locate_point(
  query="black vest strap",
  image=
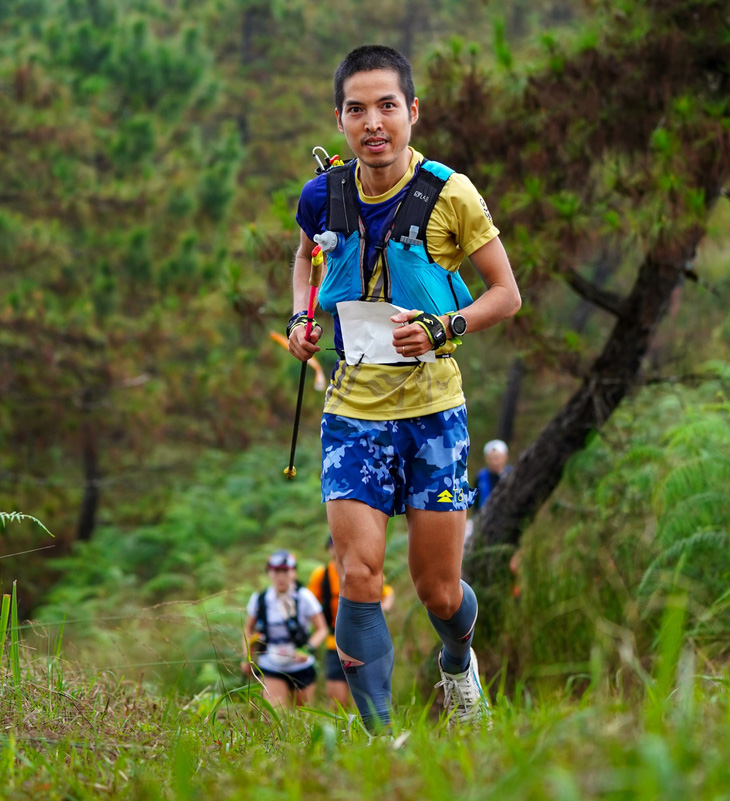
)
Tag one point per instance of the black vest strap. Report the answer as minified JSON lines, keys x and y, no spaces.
{"x":411,"y":219}
{"x":262,"y":623}
{"x":343,"y":210}
{"x":409,"y":226}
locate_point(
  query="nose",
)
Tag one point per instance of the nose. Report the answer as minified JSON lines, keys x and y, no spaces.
{"x":372,"y":120}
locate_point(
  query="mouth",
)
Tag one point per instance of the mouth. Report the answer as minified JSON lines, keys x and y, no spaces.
{"x":375,"y":143}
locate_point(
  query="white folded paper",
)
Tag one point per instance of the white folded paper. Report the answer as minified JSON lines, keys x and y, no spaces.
{"x":367,"y":334}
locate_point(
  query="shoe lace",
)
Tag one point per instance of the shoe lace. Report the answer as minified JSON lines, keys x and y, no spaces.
{"x":461,"y":695}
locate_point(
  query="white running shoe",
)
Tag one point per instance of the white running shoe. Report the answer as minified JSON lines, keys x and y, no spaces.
{"x":464,"y":699}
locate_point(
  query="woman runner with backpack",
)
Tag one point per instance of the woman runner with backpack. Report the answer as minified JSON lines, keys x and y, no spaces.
{"x":286,"y":623}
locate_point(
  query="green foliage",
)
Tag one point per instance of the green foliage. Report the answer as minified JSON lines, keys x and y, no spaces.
{"x":217,"y":186}
{"x":502,"y":50}
{"x":563,"y":178}
{"x":213,"y":541}
{"x":106,"y":150}
{"x":134,"y":144}
{"x":640,"y":519}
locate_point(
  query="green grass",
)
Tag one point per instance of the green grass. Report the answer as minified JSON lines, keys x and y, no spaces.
{"x":71,"y":733}
{"x":82,"y":735}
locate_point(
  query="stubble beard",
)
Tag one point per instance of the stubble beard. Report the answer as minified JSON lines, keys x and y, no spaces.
{"x":378,"y":165}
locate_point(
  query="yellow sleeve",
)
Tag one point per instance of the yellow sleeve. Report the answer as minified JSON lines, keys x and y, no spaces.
{"x":460,"y":223}
{"x":387,"y":590}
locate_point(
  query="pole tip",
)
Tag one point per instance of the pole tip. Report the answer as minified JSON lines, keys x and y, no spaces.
{"x":290,"y":472}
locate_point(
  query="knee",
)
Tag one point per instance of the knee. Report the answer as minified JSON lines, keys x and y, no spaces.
{"x":360,"y":581}
{"x":440,"y":599}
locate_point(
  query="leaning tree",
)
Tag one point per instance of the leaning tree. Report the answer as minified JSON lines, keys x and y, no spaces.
{"x":616,"y":147}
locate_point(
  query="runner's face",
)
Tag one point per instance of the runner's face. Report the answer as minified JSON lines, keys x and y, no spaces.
{"x":376,"y":119}
{"x":496,"y":461}
{"x":281,"y":580}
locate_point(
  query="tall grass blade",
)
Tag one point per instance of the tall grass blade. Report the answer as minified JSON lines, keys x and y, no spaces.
{"x":15,"y":646}
{"x":669,"y":646}
{"x":4,"y":617}
{"x":183,"y":770}
{"x":59,"y":638}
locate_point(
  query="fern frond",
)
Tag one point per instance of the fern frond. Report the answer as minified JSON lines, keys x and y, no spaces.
{"x":703,"y":511}
{"x":717,"y":541}
{"x":15,"y":517}
{"x":707,"y":473}
{"x":710,"y":431}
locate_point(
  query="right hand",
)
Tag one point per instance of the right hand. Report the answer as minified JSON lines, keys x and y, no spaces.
{"x":301,"y":347}
{"x":246,"y":668}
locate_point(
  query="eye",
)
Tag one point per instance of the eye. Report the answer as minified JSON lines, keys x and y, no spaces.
{"x":388,"y":105}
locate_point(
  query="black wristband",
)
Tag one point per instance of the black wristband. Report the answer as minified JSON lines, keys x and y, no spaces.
{"x":433,"y":327}
{"x":300,"y":318}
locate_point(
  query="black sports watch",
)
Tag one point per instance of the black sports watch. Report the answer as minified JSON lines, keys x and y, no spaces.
{"x":457,"y":325}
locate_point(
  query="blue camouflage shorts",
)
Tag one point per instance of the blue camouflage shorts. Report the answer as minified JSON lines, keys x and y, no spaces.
{"x":390,"y":464}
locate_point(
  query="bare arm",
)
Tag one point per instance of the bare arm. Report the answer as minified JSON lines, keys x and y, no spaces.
{"x":499,"y":302}
{"x":299,"y":346}
{"x":319,"y":635}
{"x":316,"y":638}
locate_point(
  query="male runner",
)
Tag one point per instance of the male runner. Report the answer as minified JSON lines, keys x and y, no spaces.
{"x":394,"y":432}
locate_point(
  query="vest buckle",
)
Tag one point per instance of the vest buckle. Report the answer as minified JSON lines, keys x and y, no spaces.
{"x":412,"y":238}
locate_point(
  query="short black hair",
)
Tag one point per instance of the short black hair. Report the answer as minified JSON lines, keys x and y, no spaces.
{"x":374,"y":57}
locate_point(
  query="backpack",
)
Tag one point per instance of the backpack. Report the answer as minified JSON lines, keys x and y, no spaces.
{"x":299,"y":635}
{"x":437,"y":290}
{"x":327,"y":598}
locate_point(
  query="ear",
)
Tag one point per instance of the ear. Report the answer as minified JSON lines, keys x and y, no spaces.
{"x":339,"y":122}
{"x":414,"y":111}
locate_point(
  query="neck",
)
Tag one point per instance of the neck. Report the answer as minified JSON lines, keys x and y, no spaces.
{"x":378,"y":180}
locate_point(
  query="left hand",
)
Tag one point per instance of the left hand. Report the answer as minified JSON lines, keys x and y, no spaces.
{"x":409,"y":339}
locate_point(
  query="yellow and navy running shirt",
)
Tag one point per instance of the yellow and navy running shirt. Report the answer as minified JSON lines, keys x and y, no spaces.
{"x":459,"y":225}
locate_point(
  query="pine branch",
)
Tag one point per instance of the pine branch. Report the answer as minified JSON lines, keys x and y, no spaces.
{"x":608,"y":301}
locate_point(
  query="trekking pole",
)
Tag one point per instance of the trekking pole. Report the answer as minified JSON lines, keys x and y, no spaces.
{"x":315,"y":276}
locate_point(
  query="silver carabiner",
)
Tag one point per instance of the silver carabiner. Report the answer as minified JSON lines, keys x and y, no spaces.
{"x":321,"y":167}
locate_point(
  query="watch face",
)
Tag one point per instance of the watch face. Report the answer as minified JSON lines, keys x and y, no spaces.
{"x":458,"y":324}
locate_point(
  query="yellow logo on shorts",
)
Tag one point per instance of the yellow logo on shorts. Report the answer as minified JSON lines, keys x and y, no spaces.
{"x":446,"y":497}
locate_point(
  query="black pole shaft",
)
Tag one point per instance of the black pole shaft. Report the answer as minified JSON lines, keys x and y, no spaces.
{"x":302,"y":377}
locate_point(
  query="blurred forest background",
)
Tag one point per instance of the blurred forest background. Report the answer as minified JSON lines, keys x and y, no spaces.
{"x":151,"y":156}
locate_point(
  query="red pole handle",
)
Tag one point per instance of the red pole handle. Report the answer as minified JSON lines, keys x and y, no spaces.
{"x":315,"y":277}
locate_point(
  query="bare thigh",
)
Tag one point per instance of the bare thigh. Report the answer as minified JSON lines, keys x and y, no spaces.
{"x":435,"y":550}
{"x":358,"y":532}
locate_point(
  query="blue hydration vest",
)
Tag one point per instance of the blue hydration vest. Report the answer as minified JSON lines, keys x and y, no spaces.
{"x":411,"y":278}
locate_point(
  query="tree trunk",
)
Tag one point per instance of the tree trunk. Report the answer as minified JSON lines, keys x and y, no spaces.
{"x":518,"y":497}
{"x":414,"y":20}
{"x":508,"y":408}
{"x":90,"y":455}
